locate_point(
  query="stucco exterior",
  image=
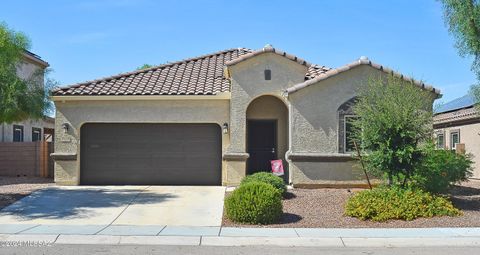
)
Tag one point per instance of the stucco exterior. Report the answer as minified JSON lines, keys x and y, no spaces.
{"x":469,"y":135}
{"x":308,"y":123}
{"x":77,"y":113}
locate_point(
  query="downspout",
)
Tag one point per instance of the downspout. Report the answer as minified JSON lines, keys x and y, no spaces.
{"x":289,"y":151}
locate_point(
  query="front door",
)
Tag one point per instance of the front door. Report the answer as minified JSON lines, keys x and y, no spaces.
{"x":262,"y":145}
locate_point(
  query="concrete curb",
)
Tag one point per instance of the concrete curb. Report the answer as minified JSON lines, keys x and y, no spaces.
{"x":337,"y":242}
{"x":227,"y":236}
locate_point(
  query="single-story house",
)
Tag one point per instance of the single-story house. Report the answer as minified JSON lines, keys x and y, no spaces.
{"x":213,"y":119}
{"x":458,"y":122}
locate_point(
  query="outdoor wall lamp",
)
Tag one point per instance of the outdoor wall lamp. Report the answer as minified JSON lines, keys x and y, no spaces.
{"x":65,"y":127}
{"x":225,"y":128}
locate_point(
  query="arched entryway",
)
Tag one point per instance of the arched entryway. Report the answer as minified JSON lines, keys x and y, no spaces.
{"x":267,"y":133}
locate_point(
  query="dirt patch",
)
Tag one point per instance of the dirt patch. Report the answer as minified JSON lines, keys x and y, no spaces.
{"x":324,"y":208}
{"x":15,"y":188}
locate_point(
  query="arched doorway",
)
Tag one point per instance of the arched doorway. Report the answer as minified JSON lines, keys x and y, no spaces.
{"x":267,"y":134}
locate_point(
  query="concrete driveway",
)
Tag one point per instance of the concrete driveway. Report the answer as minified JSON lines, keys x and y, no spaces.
{"x":119,"y":205}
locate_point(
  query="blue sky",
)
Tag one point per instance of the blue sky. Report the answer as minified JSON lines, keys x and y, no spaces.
{"x":84,"y":40}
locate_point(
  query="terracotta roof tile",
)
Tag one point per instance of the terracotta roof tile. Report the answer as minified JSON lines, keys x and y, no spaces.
{"x":458,"y":115}
{"x":203,"y":75}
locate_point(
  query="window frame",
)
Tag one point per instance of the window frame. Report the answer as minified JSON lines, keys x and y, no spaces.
{"x":39,"y":130}
{"x":453,"y":145}
{"x":22,"y":133}
{"x":345,"y":150}
{"x":443,"y":140}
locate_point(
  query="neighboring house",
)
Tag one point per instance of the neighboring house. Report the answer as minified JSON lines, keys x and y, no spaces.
{"x":459,"y":122}
{"x":211,"y":120}
{"x":29,"y":130}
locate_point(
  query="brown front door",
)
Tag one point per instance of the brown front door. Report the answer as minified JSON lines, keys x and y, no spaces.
{"x":262,"y":145}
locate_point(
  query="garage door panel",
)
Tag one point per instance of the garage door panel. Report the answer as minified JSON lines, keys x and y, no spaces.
{"x":170,"y":154}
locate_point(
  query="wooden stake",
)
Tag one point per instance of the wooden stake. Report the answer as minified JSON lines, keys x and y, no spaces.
{"x":361,"y":162}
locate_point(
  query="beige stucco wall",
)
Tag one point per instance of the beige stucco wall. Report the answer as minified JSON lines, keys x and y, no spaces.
{"x":470,"y":136}
{"x":248,"y":83}
{"x":67,"y":172}
{"x":315,"y":125}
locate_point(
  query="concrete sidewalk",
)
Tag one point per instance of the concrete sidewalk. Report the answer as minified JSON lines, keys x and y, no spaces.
{"x":226,"y":236}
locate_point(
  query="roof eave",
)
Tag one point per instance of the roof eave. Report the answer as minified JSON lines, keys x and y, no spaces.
{"x":359,"y":62}
{"x":218,"y":96}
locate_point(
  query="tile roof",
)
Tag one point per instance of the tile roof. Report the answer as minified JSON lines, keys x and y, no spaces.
{"x":459,"y":115}
{"x":362,"y":61}
{"x":203,"y":75}
{"x":458,"y":103}
{"x":267,"y":49}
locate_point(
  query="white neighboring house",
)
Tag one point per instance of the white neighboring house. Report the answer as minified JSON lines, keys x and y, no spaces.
{"x":29,"y":130}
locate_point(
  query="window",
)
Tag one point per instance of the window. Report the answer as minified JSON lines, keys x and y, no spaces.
{"x":349,"y":133}
{"x":440,"y":141}
{"x":454,"y":139}
{"x":36,"y":134}
{"x":17,"y":133}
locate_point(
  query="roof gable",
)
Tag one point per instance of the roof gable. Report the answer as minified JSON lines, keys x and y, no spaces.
{"x":268,"y":49}
{"x":359,"y":62}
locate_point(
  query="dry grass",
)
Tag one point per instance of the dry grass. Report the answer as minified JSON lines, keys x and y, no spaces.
{"x":324,"y":208}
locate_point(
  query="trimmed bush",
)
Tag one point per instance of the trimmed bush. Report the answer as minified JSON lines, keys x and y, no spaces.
{"x":265,"y":177}
{"x":440,"y":169}
{"x":254,"y":203}
{"x":382,"y":204}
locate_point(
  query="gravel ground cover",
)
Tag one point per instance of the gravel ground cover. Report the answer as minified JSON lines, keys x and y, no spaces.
{"x":324,"y":208}
{"x":15,"y":188}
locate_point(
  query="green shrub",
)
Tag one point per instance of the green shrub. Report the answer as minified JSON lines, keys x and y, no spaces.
{"x":440,"y":169}
{"x":382,"y":204}
{"x":254,"y":203}
{"x":265,"y":177}
{"x":394,"y":119}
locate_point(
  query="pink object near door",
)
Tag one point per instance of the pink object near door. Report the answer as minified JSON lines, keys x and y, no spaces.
{"x":277,"y":167}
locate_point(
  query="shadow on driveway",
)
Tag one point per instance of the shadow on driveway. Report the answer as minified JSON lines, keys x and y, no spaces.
{"x":64,"y":203}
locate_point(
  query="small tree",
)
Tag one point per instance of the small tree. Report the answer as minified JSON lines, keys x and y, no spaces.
{"x":394,"y":118}
{"x":20,"y":99}
{"x":463,"y":21}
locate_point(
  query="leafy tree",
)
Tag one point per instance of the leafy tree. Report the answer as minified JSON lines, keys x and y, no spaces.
{"x":20,"y":99}
{"x":394,"y":119}
{"x":144,"y":66}
{"x":463,"y":20}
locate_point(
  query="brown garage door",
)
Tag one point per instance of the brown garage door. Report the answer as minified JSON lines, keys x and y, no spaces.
{"x":150,"y":154}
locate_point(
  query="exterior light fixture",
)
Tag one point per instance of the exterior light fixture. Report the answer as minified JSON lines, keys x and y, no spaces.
{"x":65,"y":127}
{"x":225,"y":128}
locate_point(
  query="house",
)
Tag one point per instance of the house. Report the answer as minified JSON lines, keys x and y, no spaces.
{"x":29,"y":130}
{"x":210,"y":120}
{"x":459,"y":122}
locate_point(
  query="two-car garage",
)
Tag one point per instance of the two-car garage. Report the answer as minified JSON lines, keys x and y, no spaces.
{"x":150,"y":154}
